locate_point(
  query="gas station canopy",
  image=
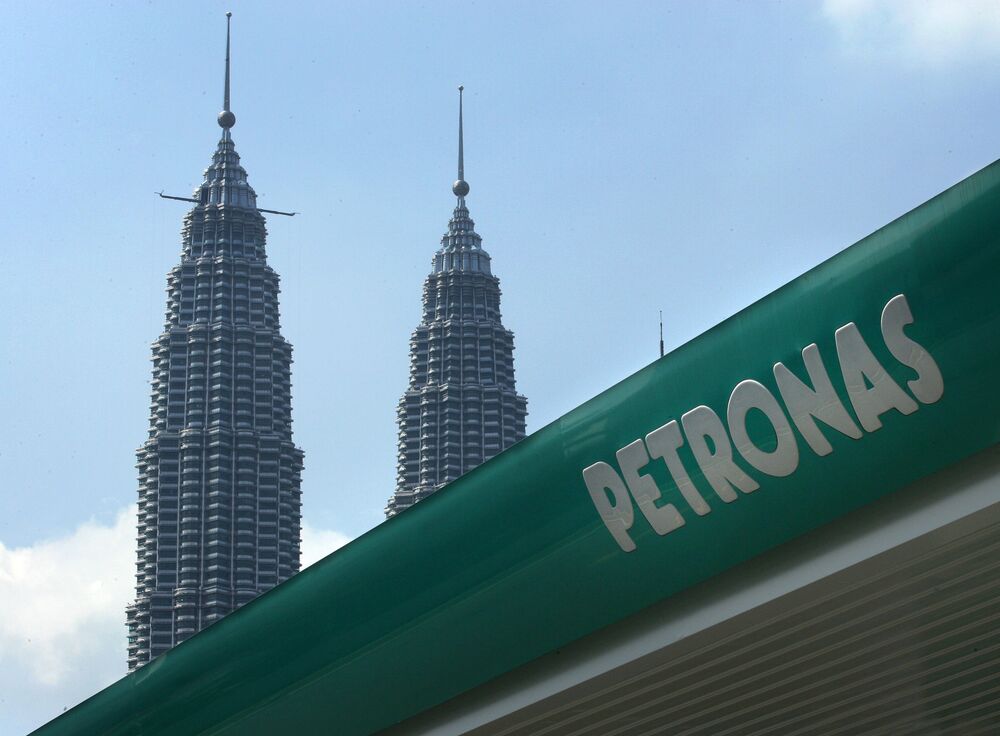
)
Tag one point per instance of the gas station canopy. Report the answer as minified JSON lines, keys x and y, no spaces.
{"x":790,"y":524}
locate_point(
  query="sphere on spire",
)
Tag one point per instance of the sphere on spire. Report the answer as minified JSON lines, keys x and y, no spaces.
{"x":227,"y":119}
{"x":460,"y":187}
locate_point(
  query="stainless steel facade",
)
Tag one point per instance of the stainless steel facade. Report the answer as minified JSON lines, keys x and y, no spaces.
{"x":219,"y":476}
{"x":461,"y":407}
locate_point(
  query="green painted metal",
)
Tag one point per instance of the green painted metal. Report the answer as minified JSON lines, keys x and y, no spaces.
{"x":512,"y":561}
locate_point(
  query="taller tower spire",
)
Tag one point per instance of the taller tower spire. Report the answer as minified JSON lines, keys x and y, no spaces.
{"x":219,"y":476}
{"x":461,"y":186}
{"x":226,"y":118}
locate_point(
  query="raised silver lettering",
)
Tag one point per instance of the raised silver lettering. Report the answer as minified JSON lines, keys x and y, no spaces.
{"x":718,"y":467}
{"x":857,"y":362}
{"x":664,"y":442}
{"x":928,"y":386}
{"x":617,"y":517}
{"x":632,"y":458}
{"x":819,"y":402}
{"x":781,"y":461}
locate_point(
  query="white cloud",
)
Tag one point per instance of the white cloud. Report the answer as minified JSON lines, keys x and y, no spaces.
{"x":54,"y":593}
{"x":924,"y":32}
{"x":62,"y":619}
{"x":62,"y":616}
{"x":318,"y":543}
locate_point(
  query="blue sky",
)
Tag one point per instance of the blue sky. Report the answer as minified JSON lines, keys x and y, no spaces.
{"x":689,"y":157}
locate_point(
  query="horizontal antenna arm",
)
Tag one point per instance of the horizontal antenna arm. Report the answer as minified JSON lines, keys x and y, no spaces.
{"x":191,"y":199}
{"x":179,"y":199}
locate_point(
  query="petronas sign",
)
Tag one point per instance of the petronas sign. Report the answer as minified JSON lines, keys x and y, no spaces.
{"x":872,"y":370}
{"x":775,"y":453}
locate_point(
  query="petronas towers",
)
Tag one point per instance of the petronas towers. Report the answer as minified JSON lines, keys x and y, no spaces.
{"x":219,"y":497}
{"x":461,"y":407}
{"x":219,"y":511}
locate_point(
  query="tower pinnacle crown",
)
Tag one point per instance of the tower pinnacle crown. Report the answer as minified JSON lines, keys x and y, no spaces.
{"x":226,"y":118}
{"x":461,"y":186}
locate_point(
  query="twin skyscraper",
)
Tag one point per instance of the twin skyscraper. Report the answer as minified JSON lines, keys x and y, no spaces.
{"x":219,"y":509}
{"x":461,"y":407}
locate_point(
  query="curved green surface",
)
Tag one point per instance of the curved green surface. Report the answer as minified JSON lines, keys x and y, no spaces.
{"x":512,"y":561}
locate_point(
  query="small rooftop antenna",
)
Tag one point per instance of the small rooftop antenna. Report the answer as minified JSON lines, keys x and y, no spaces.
{"x":661,"y":333}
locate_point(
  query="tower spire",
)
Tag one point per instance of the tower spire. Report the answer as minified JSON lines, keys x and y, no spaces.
{"x":226,"y":118}
{"x":461,"y":186}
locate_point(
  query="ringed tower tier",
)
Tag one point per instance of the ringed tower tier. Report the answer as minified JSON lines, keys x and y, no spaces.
{"x":461,"y":406}
{"x":219,"y":476}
